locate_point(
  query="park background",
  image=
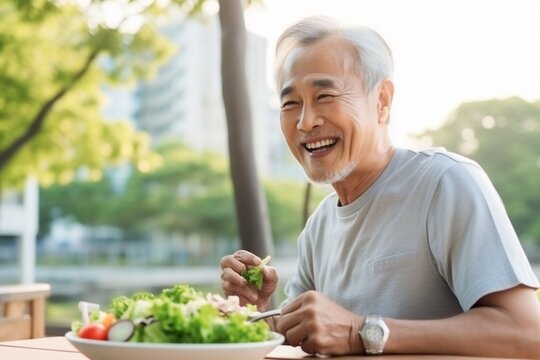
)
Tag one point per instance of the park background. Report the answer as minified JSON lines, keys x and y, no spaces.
{"x":130,"y":170}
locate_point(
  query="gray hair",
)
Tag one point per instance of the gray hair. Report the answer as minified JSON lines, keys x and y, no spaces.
{"x":374,"y":57}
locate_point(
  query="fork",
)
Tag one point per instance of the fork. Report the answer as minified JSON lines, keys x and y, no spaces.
{"x":264,"y":315}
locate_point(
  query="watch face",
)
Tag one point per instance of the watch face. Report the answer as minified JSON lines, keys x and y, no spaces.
{"x":374,"y":333}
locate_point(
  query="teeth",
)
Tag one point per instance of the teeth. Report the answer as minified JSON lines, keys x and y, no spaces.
{"x":319,"y":144}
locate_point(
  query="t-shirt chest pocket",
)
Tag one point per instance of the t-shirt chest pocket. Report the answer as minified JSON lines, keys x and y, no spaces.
{"x":391,"y":263}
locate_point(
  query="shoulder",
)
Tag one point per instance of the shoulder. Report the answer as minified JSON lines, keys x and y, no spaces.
{"x":438,"y":163}
{"x":437,"y":157}
{"x":459,"y":182}
{"x":436,"y":173}
{"x":460,"y":171}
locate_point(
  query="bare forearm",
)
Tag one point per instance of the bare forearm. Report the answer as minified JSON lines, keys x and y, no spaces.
{"x":482,"y":331}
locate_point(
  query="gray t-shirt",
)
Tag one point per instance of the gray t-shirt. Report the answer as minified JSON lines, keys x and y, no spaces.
{"x":427,"y":240}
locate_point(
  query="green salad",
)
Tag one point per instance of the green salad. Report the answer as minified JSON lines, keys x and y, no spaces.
{"x":179,"y":314}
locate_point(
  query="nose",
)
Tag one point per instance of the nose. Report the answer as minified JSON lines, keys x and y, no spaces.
{"x":309,"y":119}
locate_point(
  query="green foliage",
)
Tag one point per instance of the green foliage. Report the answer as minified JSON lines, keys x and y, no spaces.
{"x":189,"y":193}
{"x":55,"y":56}
{"x":84,"y":202}
{"x":34,"y":10}
{"x":503,"y":137}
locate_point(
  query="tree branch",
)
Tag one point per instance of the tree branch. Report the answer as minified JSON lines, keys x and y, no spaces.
{"x":37,"y":123}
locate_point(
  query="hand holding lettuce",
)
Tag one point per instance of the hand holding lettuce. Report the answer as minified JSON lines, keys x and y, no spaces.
{"x":254,"y":275}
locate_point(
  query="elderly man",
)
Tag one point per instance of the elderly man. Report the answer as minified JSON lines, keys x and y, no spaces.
{"x":414,"y":252}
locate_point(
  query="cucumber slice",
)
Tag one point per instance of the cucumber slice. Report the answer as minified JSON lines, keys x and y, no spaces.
{"x":122,"y":330}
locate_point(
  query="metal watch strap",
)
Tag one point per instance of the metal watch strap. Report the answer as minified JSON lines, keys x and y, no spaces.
{"x":373,"y":347}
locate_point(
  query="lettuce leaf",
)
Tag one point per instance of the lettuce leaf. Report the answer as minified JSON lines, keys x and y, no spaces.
{"x":254,"y":275}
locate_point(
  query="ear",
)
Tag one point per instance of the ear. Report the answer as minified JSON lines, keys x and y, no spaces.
{"x":386,"y":95}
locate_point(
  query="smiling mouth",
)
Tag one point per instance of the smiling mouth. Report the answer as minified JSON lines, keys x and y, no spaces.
{"x":321,"y":145}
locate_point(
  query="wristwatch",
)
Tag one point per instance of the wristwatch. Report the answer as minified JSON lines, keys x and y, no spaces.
{"x":374,"y":333}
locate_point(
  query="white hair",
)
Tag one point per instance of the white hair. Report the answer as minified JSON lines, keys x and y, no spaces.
{"x":374,"y":57}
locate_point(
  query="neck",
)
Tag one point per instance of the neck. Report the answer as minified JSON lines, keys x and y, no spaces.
{"x":363,"y":177}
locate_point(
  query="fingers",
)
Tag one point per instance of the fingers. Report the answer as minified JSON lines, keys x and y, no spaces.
{"x":270,"y":281}
{"x":294,"y":305}
{"x":319,"y":325}
{"x":233,"y":283}
{"x":232,"y":278}
{"x":270,"y":274}
{"x":299,"y":331}
{"x":291,"y":316}
{"x":290,"y":325}
{"x":237,"y":261}
{"x":247,"y":258}
{"x":291,"y":321}
{"x":232,"y":266}
{"x":301,"y":324}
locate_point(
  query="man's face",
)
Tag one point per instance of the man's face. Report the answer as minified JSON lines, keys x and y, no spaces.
{"x":330,"y":124}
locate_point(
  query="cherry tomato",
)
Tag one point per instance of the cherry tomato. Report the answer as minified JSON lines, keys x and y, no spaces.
{"x":95,"y":331}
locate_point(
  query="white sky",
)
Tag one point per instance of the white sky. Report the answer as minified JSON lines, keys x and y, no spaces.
{"x":445,"y":51}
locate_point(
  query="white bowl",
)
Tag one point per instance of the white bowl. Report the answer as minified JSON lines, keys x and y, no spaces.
{"x":114,"y":350}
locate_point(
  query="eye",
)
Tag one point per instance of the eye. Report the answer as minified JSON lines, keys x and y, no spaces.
{"x":325,"y":96}
{"x":289,"y":104}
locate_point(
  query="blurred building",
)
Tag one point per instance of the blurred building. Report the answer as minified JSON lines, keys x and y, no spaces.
{"x":184,"y":100}
{"x":18,"y":229}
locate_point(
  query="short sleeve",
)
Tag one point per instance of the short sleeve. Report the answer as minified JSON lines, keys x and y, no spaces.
{"x":472,"y":240}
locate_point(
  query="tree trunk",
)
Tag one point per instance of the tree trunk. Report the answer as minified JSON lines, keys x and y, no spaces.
{"x":251,"y":209}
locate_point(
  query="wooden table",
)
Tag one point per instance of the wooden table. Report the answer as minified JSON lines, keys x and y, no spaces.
{"x":59,"y":348}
